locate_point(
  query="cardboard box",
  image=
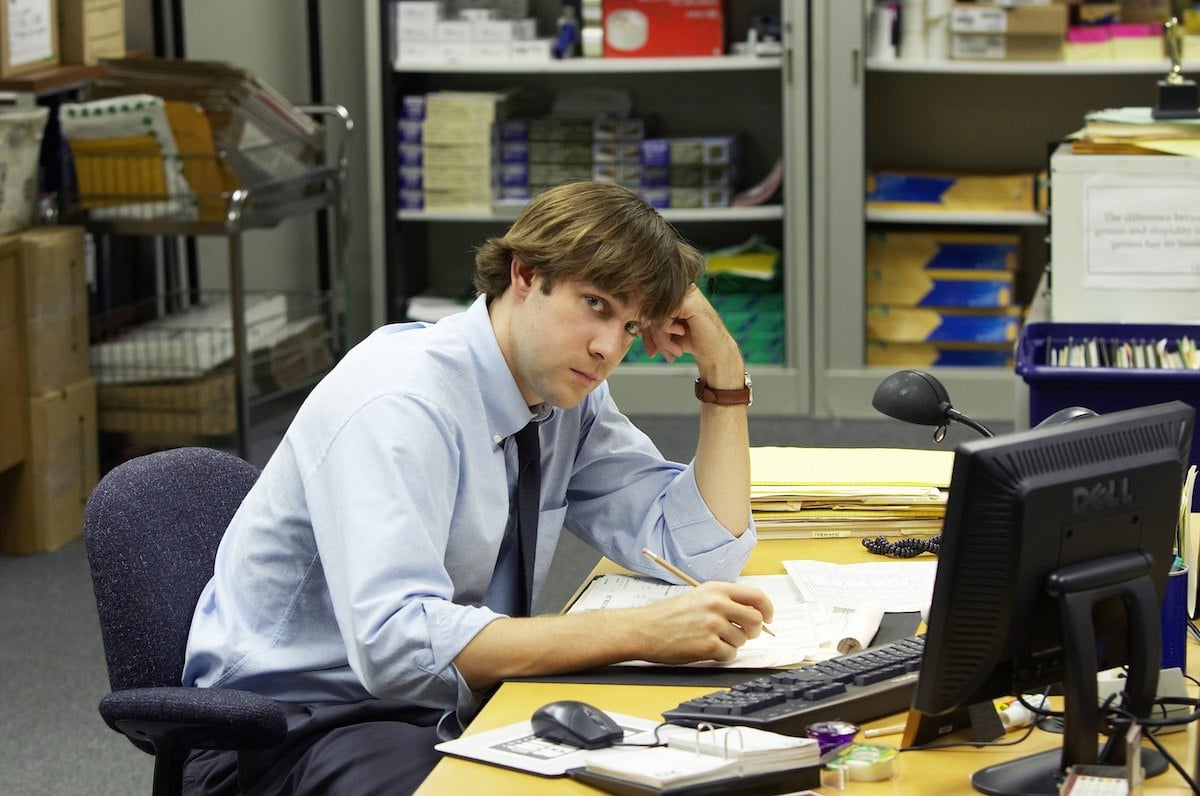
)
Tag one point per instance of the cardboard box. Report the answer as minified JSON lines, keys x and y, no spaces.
{"x":653,"y":28}
{"x":1023,"y":20}
{"x":922,"y":190}
{"x":55,"y":322}
{"x":938,"y":251}
{"x":999,"y":47}
{"x":898,"y":286}
{"x":13,"y":400}
{"x":202,"y":406}
{"x":89,"y":30}
{"x":891,"y":324}
{"x":992,"y":32}
{"x":28,"y":37}
{"x":927,"y":355}
{"x":42,"y":499}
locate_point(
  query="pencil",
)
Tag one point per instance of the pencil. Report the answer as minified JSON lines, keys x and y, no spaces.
{"x":686,"y":578}
{"x":878,"y":731}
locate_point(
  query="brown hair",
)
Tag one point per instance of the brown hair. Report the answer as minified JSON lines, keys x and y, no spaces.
{"x":600,"y":233}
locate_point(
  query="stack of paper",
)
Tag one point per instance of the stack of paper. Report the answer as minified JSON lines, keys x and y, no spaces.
{"x":1135,"y":131}
{"x":802,"y":493}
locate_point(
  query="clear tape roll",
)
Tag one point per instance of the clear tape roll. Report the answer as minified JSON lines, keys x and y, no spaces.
{"x":865,"y":762}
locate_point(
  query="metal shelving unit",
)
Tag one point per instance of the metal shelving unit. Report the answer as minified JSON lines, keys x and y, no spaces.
{"x":763,"y":98}
{"x":132,"y":209}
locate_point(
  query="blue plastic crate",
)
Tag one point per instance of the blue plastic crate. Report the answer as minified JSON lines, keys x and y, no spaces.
{"x":1104,"y":389}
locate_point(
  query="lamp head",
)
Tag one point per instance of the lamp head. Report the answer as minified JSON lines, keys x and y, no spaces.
{"x":915,"y":396}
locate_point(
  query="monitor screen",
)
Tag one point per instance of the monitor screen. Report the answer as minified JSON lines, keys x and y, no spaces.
{"x":1024,"y":506}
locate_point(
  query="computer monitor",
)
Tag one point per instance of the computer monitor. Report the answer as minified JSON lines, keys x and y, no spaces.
{"x":1077,"y":521}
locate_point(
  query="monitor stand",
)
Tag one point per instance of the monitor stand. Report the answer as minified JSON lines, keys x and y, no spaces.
{"x":1076,"y":590}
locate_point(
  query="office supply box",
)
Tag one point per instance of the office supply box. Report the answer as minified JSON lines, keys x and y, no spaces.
{"x":90,"y":30}
{"x":988,"y":31}
{"x":641,"y":28}
{"x":1105,"y":387}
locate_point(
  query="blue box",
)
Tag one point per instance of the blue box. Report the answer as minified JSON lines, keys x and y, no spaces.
{"x":1104,"y":389}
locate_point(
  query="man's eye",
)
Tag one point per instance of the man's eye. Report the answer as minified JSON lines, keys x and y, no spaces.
{"x":594,"y":303}
{"x":633,"y":328}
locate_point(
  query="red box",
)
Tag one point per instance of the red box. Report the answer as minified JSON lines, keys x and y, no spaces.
{"x":655,"y":28}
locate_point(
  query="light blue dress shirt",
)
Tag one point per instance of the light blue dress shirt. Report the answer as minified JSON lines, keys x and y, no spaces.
{"x":365,"y":558}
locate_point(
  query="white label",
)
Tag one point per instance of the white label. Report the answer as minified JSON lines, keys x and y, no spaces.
{"x":978,"y":20}
{"x":1141,"y":231}
{"x":30,"y":35}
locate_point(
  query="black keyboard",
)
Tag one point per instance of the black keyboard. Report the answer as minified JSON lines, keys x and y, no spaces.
{"x":857,"y":688}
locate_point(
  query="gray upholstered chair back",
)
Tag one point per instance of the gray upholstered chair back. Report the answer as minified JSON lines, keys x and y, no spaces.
{"x":152,"y":527}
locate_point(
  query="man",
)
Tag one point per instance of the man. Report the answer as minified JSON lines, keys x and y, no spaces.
{"x":374,"y":581}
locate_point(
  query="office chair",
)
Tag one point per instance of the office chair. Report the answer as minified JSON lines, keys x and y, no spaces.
{"x":151,"y":528}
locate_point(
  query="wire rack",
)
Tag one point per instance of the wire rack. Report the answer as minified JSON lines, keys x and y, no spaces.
{"x":164,"y":365}
{"x":137,"y":187}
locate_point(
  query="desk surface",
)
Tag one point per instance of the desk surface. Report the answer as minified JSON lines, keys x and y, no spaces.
{"x":945,"y":771}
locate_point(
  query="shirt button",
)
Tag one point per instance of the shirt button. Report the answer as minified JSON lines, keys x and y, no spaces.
{"x":496,"y":438}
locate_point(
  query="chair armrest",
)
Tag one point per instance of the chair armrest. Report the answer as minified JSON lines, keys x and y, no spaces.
{"x":172,"y":719}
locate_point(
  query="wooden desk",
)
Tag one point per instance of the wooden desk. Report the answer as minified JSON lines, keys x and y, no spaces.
{"x":944,"y":771}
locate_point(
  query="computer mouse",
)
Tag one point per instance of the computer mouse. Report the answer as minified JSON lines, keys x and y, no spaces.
{"x":576,"y":724}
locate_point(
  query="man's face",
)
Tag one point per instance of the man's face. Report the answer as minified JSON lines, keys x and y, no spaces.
{"x":567,"y":342}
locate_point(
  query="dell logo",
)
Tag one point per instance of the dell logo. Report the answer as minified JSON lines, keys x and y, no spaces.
{"x":1101,"y":496}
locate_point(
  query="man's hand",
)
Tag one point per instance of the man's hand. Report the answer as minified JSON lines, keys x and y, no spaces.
{"x":709,"y":622}
{"x":695,"y":328}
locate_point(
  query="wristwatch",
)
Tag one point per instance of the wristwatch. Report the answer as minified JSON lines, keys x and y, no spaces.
{"x":711,"y":395}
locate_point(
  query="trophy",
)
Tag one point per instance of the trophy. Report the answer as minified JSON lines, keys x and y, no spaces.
{"x":1177,"y":98}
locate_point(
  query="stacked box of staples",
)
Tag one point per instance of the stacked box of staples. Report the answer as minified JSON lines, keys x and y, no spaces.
{"x":941,"y":298}
{"x":514,"y":160}
{"x":454,"y":33}
{"x":459,"y":151}
{"x":560,"y":150}
{"x":690,"y":172}
{"x":409,"y":128}
{"x":617,"y":150}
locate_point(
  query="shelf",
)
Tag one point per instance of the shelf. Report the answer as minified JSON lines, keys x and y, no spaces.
{"x":1032,"y":68}
{"x":762,"y":99}
{"x":674,"y":215}
{"x":729,"y":63}
{"x":957,"y":217}
{"x":650,"y":389}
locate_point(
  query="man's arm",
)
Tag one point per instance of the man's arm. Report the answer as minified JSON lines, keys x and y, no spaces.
{"x":706,"y":623}
{"x":723,"y":449}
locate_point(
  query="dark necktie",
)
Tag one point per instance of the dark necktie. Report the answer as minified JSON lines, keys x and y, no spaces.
{"x":529,"y":487}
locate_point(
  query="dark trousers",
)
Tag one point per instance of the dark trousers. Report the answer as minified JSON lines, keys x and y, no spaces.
{"x":357,"y":749}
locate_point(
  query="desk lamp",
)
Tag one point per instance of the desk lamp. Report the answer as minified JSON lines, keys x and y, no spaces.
{"x":915,"y":396}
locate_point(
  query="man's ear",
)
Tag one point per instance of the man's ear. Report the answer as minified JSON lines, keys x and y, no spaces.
{"x":521,"y":277}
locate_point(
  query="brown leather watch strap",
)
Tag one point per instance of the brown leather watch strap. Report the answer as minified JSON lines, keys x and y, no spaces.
{"x":711,"y":395}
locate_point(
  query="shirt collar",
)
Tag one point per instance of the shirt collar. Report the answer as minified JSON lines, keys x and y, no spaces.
{"x":505,"y":407}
